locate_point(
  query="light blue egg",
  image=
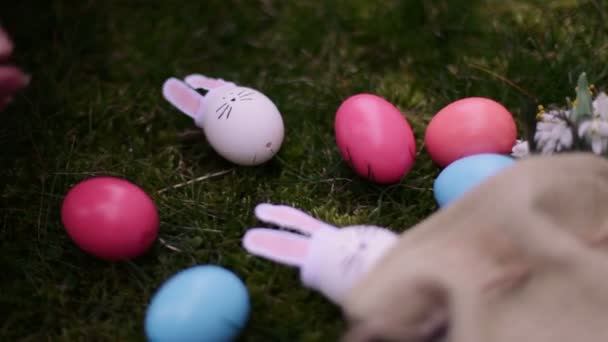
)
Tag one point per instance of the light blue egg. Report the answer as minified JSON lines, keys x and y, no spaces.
{"x":466,"y":173}
{"x":201,"y":303}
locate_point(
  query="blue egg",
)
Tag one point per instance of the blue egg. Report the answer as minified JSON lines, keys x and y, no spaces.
{"x":464,"y":174}
{"x":201,"y":303}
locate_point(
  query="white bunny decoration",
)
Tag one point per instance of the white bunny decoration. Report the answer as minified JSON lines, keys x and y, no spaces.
{"x":241,"y":124}
{"x":331,"y":259}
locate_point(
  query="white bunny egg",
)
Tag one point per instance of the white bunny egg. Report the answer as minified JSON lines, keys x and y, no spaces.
{"x":240,"y":123}
{"x":331,"y":260}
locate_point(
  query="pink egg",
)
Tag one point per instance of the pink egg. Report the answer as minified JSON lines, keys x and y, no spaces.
{"x":470,"y":126}
{"x":375,"y":138}
{"x":110,"y":218}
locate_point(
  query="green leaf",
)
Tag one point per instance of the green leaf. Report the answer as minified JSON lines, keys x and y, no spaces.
{"x":583,"y":107}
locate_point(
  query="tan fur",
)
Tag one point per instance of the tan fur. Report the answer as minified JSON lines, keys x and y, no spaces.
{"x":523,"y":257}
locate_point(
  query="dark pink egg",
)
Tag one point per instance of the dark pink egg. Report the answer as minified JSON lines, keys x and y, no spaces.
{"x":375,"y":138}
{"x":469,"y":126}
{"x":110,"y":218}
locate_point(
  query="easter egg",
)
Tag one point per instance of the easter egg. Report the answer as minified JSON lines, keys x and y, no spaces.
{"x":375,"y":138}
{"x":246,"y":127}
{"x":464,"y":174}
{"x":470,"y":126}
{"x":200,"y":303}
{"x":110,"y":218}
{"x":240,"y":123}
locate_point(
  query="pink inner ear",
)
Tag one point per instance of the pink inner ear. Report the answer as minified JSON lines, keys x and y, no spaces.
{"x":279,"y":246}
{"x":211,"y":83}
{"x":298,"y":220}
{"x":290,"y":217}
{"x":287,"y":248}
{"x":202,"y":82}
{"x":181,"y":96}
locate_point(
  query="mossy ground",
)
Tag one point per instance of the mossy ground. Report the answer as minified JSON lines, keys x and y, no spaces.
{"x":94,"y":107}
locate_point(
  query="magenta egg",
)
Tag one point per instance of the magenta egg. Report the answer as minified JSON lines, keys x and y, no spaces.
{"x":110,"y":218}
{"x":374,"y":137}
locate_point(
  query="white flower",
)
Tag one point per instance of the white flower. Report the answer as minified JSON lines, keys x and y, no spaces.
{"x":553,"y":136}
{"x":554,"y":116}
{"x":595,"y":131}
{"x":520,"y":149}
{"x":600,"y":106}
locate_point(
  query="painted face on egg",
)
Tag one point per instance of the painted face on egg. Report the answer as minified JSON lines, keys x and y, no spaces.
{"x":230,"y":99}
{"x":242,"y":124}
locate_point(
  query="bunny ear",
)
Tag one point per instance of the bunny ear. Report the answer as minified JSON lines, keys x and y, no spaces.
{"x":289,"y":217}
{"x":181,"y":96}
{"x":198,"y":81}
{"x":279,"y":246}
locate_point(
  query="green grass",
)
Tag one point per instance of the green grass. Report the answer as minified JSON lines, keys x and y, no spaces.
{"x":94,"y":107}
